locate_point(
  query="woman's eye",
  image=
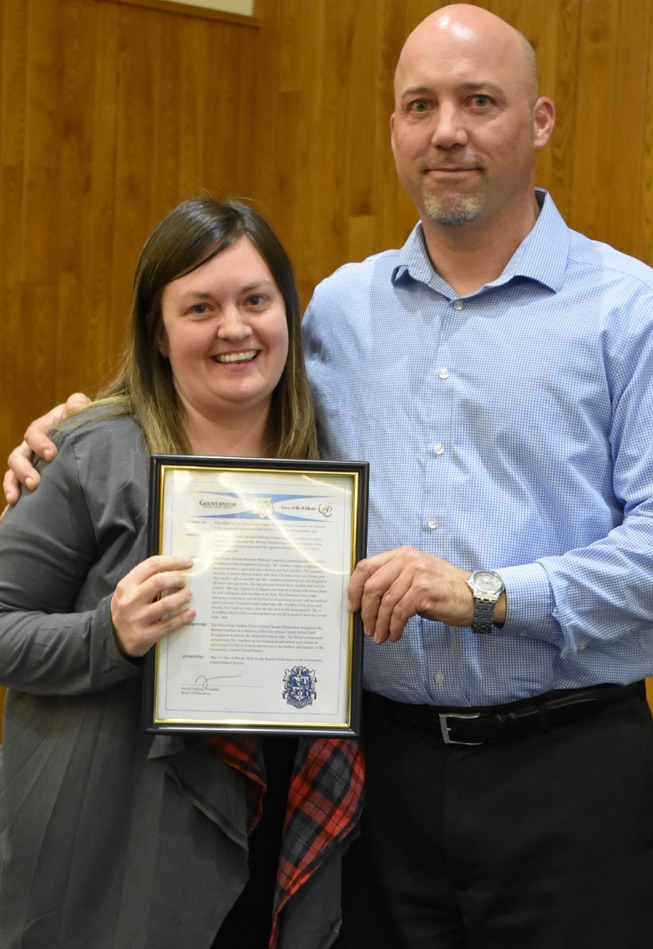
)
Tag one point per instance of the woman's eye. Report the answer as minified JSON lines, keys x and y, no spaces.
{"x":256,"y":299}
{"x":199,"y":308}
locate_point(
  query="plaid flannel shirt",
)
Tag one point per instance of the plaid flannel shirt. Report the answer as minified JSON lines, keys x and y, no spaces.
{"x":324,"y":804}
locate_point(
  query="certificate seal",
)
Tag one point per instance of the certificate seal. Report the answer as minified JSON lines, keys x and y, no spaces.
{"x":299,"y":686}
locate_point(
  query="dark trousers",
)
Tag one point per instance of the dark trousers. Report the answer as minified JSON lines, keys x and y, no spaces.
{"x":543,"y":842}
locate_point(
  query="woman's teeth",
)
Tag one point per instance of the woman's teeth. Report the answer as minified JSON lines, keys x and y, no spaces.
{"x":236,"y":357}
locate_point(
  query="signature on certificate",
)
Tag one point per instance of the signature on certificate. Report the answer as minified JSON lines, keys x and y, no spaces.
{"x":203,"y":681}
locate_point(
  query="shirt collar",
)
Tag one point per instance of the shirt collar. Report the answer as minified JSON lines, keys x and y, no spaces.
{"x":541,"y":256}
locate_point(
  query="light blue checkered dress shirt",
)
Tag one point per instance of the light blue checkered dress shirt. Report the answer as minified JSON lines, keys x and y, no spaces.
{"x":509,"y":429}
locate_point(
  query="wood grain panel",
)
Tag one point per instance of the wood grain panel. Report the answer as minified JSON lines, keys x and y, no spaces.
{"x":114,"y":110}
{"x":111,"y":114}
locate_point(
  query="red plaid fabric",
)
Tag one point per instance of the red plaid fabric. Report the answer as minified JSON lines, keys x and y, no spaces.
{"x":324,"y":804}
{"x":245,"y":755}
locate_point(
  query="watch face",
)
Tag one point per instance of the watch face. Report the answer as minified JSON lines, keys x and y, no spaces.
{"x":487,"y":582}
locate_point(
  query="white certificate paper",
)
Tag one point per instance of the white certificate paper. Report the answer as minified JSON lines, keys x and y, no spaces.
{"x":272,"y":646}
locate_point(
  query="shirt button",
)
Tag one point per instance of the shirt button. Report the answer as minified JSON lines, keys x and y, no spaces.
{"x":432,"y":524}
{"x":458,"y":304}
{"x":439,"y":677}
{"x":444,"y":373}
{"x":438,"y":449}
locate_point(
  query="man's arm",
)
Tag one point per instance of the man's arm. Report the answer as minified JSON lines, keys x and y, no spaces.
{"x":21,"y":470}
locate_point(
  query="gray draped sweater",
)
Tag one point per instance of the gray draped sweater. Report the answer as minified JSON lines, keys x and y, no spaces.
{"x":110,"y":838}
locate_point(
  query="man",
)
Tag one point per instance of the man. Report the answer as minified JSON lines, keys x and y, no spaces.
{"x":496,"y":373}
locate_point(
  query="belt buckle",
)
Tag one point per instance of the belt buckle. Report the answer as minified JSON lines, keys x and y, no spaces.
{"x":445,"y":729}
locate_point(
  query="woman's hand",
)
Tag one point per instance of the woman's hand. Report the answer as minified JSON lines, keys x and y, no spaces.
{"x":21,"y":470}
{"x":151,"y":602}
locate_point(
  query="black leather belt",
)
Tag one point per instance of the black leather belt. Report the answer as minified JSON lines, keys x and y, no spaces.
{"x":494,"y":723}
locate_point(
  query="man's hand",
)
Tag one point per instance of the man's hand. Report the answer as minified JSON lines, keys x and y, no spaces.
{"x":151,"y":602}
{"x":21,"y":470}
{"x":391,"y":587}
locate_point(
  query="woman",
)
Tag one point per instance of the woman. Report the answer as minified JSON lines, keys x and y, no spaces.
{"x":111,"y":837}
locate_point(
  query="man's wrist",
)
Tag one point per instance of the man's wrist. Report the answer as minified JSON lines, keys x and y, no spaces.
{"x":501,"y":610}
{"x":488,"y":593}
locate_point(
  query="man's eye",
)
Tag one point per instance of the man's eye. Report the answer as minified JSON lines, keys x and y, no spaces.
{"x":420,"y":105}
{"x":482,"y":101}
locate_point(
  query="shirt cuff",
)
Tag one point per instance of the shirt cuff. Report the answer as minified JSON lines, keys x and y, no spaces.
{"x":530,"y":604}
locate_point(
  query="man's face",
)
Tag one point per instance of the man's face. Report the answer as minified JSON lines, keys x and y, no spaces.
{"x":466,"y":123}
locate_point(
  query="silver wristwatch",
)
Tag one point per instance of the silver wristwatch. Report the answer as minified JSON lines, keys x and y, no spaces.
{"x":487,"y":587}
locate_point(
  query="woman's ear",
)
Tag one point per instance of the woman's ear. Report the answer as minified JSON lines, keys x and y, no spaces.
{"x":162,"y":343}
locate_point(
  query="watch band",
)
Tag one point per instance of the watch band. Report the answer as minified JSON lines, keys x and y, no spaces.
{"x":483,"y":615}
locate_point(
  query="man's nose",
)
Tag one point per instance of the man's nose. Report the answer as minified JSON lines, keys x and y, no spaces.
{"x":450,"y":128}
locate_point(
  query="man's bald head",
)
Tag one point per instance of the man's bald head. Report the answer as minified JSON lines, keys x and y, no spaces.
{"x":468,"y":23}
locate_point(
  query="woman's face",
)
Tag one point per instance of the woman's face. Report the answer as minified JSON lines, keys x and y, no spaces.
{"x":225,"y":335}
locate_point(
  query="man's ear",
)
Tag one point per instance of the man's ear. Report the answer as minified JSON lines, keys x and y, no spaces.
{"x":392,"y":132}
{"x":544,"y":117}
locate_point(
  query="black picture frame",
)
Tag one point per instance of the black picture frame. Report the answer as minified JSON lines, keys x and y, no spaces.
{"x":168,"y":505}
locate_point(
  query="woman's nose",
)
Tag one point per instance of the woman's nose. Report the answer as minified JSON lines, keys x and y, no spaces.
{"x":232,"y":325}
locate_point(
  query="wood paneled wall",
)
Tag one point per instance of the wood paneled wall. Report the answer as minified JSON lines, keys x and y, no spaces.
{"x":111,"y":111}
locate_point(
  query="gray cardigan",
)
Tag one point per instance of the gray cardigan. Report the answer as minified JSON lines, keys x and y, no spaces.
{"x":109,"y":837}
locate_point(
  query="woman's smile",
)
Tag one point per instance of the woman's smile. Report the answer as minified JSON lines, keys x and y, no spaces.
{"x":236,"y":357}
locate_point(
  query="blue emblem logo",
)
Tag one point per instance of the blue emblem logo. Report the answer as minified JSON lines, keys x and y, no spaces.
{"x":299,"y":686}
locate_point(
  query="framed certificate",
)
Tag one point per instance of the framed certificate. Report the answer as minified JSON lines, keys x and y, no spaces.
{"x":272,"y":647}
